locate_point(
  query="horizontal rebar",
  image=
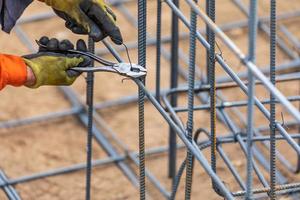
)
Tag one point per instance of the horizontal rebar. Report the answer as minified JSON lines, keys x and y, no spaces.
{"x":230,"y":104}
{"x":266,"y":190}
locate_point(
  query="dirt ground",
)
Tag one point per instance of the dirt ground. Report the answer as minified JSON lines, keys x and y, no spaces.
{"x":61,"y":142}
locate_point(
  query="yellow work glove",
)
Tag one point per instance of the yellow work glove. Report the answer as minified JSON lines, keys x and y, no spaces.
{"x":88,"y":17}
{"x":51,"y":68}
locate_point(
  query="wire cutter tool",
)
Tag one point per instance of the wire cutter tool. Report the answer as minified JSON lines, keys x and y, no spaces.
{"x":129,"y":70}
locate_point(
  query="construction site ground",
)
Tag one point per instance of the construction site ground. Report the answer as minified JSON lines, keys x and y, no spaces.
{"x":56,"y":143}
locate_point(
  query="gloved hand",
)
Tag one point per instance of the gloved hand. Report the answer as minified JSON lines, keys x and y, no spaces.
{"x":51,"y":66}
{"x":88,"y":17}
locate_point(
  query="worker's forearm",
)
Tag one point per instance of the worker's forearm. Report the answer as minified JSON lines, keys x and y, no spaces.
{"x":13,"y":71}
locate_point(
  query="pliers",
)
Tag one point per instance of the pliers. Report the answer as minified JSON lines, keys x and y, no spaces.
{"x":129,"y":70}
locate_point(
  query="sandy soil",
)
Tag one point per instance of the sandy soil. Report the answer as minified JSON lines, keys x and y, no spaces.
{"x":61,"y":142}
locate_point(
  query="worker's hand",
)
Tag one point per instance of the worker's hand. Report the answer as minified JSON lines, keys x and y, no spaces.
{"x":91,"y":17}
{"x":53,"y":68}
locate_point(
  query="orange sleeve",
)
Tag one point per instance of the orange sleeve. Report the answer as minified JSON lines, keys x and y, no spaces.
{"x":13,"y":71}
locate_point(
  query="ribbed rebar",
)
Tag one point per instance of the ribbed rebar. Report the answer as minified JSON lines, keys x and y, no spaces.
{"x":90,"y":103}
{"x":212,"y":83}
{"x":292,"y":187}
{"x":141,"y":107}
{"x":207,"y":38}
{"x":273,"y":101}
{"x":142,"y":34}
{"x":251,"y":88}
{"x":191,"y":85}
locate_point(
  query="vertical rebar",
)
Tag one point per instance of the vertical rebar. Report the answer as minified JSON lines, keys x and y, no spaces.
{"x":251,"y":90}
{"x":142,"y":39}
{"x":212,"y":83}
{"x":273,"y":100}
{"x":90,"y":104}
{"x":207,"y":39}
{"x":173,"y":84}
{"x":158,"y":50}
{"x":191,"y":85}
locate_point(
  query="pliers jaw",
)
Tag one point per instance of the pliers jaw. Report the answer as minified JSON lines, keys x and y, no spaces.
{"x":130,"y":70}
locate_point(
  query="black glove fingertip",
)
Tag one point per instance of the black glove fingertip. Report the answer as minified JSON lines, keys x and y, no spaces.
{"x":44,"y":40}
{"x":66,"y":45}
{"x":81,"y":45}
{"x":117,"y":41}
{"x":116,"y":37}
{"x":53,"y":44}
{"x":78,"y":30}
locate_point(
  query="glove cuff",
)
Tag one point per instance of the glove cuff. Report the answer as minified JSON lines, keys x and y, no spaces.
{"x":36,"y":71}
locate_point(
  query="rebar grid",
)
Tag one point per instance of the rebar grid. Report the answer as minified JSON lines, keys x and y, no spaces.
{"x":210,"y":91}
